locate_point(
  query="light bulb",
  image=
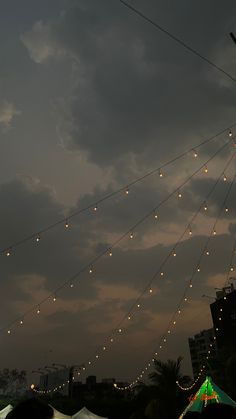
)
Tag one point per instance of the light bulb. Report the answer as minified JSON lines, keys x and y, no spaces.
{"x":185,"y":299}
{"x":91,"y":270}
{"x":198,"y":269}
{"x":38,"y":310}
{"x":138,"y":305}
{"x":66,"y":224}
{"x":150,"y":290}
{"x":71,"y":285}
{"x":127,"y":191}
{"x":21,"y":322}
{"x":195,"y":154}
{"x":214,"y":233}
{"x":160,"y":173}
{"x":190,"y":285}
{"x":226,"y":209}
{"x":95,"y":208}
{"x":9,"y":332}
{"x":205,"y":169}
{"x":120,"y":330}
{"x":174,"y":253}
{"x":54,"y":298}
{"x":131,"y":236}
{"x":179,"y":195}
{"x":110,"y":253}
{"x":8,"y":252}
{"x":190,"y":232}
{"x":129,"y":317}
{"x":162,"y":273}
{"x":155,"y":216}
{"x":231,"y":268}
{"x":230,"y":133}
{"x":207,"y":252}
{"x":224,"y":178}
{"x":37,"y":238}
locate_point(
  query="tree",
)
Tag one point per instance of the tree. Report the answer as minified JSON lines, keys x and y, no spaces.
{"x":12,"y":381}
{"x":164,"y":379}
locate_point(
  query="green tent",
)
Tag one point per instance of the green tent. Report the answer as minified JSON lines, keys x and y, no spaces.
{"x":207,"y":393}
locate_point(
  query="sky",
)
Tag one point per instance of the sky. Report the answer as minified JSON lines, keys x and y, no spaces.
{"x":92,"y":98}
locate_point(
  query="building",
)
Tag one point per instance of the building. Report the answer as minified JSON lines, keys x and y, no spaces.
{"x":223,"y":312}
{"x":199,"y":346}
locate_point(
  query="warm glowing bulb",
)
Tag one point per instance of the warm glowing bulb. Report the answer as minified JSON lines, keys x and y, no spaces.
{"x":185,"y":299}
{"x":21,"y":322}
{"x":150,"y":290}
{"x":120,"y":330}
{"x":179,"y":311}
{"x":174,"y":322}
{"x":231,"y":268}
{"x":174,"y":253}
{"x":129,"y":317}
{"x":155,"y":216}
{"x":8,"y":252}
{"x":95,"y":208}
{"x":164,"y":340}
{"x":168,"y":331}
{"x":111,"y":340}
{"x":226,"y":209}
{"x":190,"y":285}
{"x":66,"y":224}
{"x":97,"y":356}
{"x":207,"y":252}
{"x":54,"y":298}
{"x":91,"y":270}
{"x":162,"y":273}
{"x":160,"y":173}
{"x":224,"y":178}
{"x":9,"y":332}
{"x":37,"y":238}
{"x":131,"y":236}
{"x":230,"y":133}
{"x":110,"y":253}
{"x":38,"y":310}
{"x":205,"y":169}
{"x":214,"y":232}
{"x":127,"y":191}
{"x":72,"y":285}
{"x":198,"y":269}
{"x":195,"y":153}
{"x":179,"y":195}
{"x":190,"y":232}
{"x":138,"y":305}
{"x":205,"y":207}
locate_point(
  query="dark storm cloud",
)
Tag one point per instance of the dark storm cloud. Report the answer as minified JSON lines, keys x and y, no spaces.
{"x":136,"y":91}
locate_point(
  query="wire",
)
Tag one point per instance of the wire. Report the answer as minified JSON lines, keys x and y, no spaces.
{"x":176,"y":39}
{"x":99,"y":256}
{"x":64,"y":220}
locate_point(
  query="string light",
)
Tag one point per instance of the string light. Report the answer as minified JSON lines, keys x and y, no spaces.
{"x":179,"y":195}
{"x":224,"y":178}
{"x":205,"y":169}
{"x":110,"y":253}
{"x":195,"y":154}
{"x":8,"y":252}
{"x":95,"y":208}
{"x":110,"y":195}
{"x":205,"y":207}
{"x":37,"y":238}
{"x":67,"y":224}
{"x":131,"y":236}
{"x":169,"y":330}
{"x":230,"y":133}
{"x":160,"y":174}
{"x":127,"y":191}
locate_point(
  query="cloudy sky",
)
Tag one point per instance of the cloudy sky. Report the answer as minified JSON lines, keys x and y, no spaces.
{"x":92,"y":98}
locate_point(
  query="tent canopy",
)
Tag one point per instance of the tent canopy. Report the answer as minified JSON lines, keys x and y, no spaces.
{"x":82,"y":414}
{"x":86,"y":414}
{"x":4,"y":412}
{"x":207,"y":393}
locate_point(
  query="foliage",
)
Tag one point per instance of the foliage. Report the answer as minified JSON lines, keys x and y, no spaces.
{"x":12,"y":382}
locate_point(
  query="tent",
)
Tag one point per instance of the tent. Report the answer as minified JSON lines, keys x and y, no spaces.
{"x":5,"y":411}
{"x":207,"y":393}
{"x":58,"y":415}
{"x":86,"y":414}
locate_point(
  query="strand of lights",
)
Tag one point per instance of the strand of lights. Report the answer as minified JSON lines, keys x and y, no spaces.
{"x":210,"y":348}
{"x":172,"y":321}
{"x":108,"y":251}
{"x":124,"y":189}
{"x":184,"y":299}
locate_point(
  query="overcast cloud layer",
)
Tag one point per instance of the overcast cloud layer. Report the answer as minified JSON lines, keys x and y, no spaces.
{"x":93,"y":97}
